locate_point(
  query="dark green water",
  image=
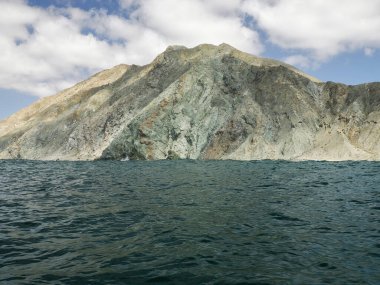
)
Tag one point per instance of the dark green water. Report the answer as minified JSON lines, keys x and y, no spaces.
{"x":189,"y":222}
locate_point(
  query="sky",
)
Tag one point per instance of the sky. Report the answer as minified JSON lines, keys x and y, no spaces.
{"x":46,"y":46}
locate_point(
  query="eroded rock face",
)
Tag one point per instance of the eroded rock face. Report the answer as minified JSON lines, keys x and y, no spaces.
{"x":209,"y":102}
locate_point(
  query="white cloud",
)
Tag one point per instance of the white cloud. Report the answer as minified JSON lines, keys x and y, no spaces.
{"x":298,"y":60}
{"x":125,"y":4}
{"x":47,"y":49}
{"x":44,"y":51}
{"x":324,"y":28}
{"x":369,"y":51}
{"x":198,"y":21}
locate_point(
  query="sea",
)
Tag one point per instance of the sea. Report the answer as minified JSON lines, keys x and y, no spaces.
{"x":189,"y":222}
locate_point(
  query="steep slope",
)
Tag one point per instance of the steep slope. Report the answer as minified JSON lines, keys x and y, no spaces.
{"x":208,"y":102}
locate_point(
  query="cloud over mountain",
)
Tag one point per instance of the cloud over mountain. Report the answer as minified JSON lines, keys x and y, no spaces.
{"x":46,"y":49}
{"x":319,"y":28}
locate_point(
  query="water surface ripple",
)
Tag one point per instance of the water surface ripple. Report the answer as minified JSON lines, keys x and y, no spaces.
{"x":189,"y":222}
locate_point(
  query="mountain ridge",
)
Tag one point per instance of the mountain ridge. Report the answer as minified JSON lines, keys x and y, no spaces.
{"x":207,"y":102}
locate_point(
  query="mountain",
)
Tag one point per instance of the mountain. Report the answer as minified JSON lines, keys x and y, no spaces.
{"x":207,"y":102}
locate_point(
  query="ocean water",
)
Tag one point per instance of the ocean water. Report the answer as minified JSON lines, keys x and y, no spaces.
{"x":189,"y":222}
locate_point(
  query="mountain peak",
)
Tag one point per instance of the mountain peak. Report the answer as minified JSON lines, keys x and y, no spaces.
{"x":175,"y":47}
{"x":208,"y":51}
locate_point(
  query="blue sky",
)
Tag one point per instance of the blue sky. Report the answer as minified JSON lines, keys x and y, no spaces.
{"x":50,"y":45}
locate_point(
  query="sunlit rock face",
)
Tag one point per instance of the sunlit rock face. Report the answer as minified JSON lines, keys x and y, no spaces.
{"x":208,"y":102}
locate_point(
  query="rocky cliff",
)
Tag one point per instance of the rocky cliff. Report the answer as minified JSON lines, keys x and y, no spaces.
{"x":208,"y":102}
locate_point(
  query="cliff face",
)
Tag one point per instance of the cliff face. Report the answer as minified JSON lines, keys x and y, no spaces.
{"x":209,"y":102}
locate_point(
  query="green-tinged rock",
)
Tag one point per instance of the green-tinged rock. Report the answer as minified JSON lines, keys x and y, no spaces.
{"x":207,"y":102}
